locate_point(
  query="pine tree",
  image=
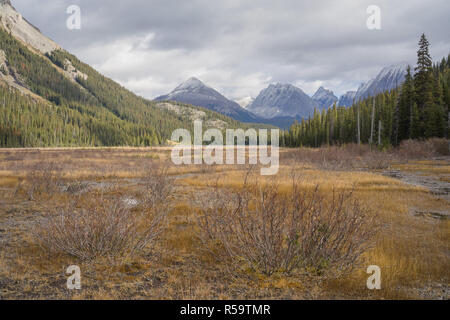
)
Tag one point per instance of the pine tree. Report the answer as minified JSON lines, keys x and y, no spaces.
{"x":423,"y":83}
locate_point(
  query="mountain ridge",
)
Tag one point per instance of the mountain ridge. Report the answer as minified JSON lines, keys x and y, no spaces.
{"x":388,"y":78}
{"x":282,"y":100}
{"x":193,"y":91}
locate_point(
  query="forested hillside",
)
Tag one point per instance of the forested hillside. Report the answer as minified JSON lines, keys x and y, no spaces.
{"x":418,"y":109}
{"x":92,"y":111}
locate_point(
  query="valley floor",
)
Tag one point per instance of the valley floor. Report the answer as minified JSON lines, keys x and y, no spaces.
{"x":409,"y":198}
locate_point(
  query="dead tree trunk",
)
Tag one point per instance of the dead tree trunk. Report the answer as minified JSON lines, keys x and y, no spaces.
{"x":359,"y":126}
{"x":372,"y":123}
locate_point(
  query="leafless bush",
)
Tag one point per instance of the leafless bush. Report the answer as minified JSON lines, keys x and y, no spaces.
{"x":42,"y":179}
{"x":261,"y":227}
{"x":441,"y":146}
{"x":415,"y":149}
{"x":158,"y":186}
{"x":346,"y":157}
{"x":378,"y":160}
{"x":96,"y":227}
{"x":101,"y":228}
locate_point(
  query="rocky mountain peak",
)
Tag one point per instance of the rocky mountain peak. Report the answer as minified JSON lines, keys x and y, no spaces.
{"x":195,"y":92}
{"x":324,"y":98}
{"x":322,"y":92}
{"x":282,"y":100}
{"x":191,"y":84}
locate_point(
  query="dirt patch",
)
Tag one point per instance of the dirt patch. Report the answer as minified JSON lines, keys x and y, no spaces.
{"x":437,"y":187}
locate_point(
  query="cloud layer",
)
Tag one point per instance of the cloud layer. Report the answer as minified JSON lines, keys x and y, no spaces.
{"x":239,"y":47}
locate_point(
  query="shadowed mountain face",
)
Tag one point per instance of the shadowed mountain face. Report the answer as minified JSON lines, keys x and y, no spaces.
{"x":324,"y":98}
{"x":195,"y":92}
{"x":282,"y":100}
{"x":389,"y":78}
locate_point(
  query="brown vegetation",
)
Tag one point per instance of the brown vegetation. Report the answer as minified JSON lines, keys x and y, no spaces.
{"x":280,"y":237}
{"x":258,"y":226}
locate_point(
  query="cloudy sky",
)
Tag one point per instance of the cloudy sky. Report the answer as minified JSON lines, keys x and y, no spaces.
{"x":241,"y":46}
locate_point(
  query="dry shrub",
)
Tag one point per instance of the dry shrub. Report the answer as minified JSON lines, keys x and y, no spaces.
{"x":98,"y":227}
{"x":415,"y":149}
{"x":378,"y":160}
{"x":107,"y":229}
{"x":42,"y":179}
{"x":423,"y":149}
{"x":346,"y":157}
{"x":441,"y":146}
{"x":158,"y":186}
{"x":271,"y":231}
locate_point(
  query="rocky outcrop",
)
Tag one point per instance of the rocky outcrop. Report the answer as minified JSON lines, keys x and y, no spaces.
{"x":21,"y":29}
{"x":12,"y":78}
{"x":72,"y":72}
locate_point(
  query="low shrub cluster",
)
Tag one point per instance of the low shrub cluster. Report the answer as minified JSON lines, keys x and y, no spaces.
{"x":271,"y":231}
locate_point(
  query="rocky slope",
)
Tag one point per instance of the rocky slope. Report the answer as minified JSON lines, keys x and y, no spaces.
{"x":21,"y":29}
{"x":389,"y":78}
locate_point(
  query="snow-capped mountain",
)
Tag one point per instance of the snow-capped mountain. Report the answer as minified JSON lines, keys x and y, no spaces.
{"x":324,"y":98}
{"x":346,"y":100}
{"x":195,"y":92}
{"x":389,"y":78}
{"x":282,"y":100}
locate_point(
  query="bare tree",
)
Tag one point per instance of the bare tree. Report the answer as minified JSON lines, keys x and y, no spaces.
{"x":359,"y":124}
{"x":372,"y":122}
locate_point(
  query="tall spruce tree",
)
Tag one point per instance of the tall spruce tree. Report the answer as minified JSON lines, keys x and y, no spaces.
{"x":423,"y":85}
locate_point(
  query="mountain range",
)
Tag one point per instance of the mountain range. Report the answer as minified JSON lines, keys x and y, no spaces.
{"x":281,"y":104}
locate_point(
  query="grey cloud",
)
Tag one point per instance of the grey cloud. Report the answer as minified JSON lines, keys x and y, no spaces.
{"x":239,"y":47}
